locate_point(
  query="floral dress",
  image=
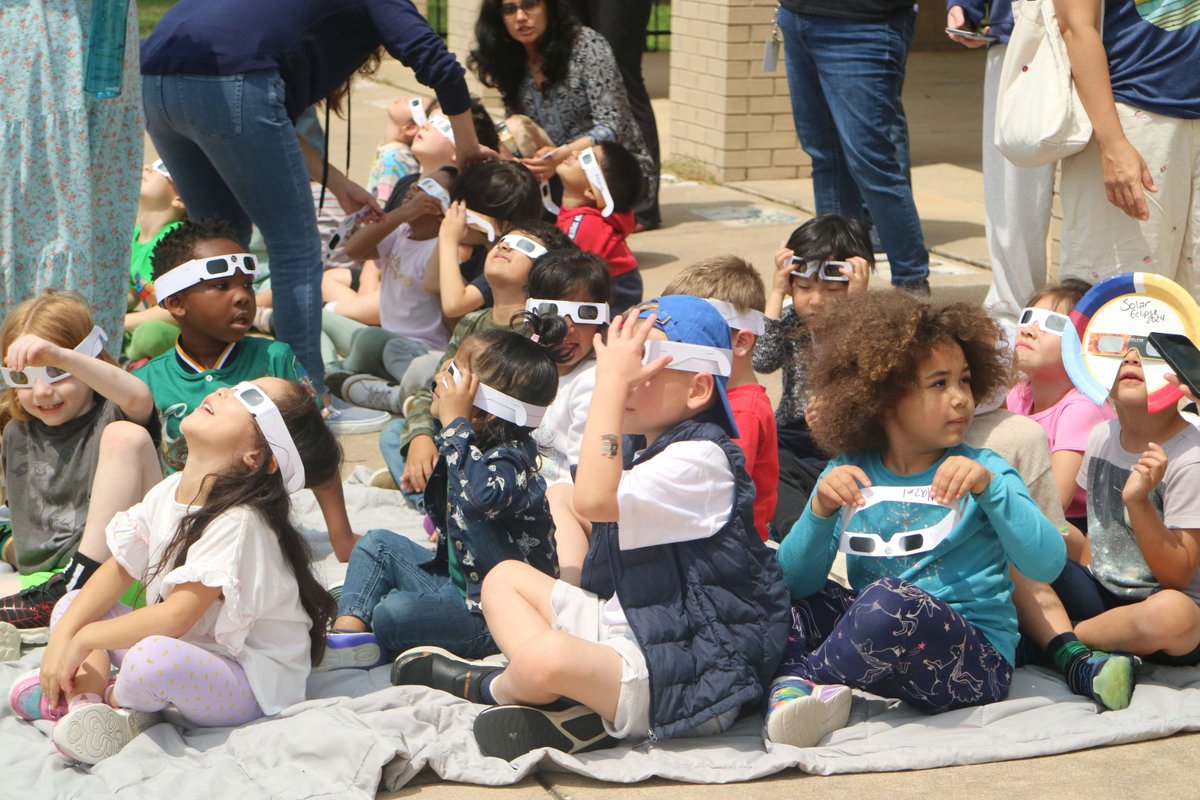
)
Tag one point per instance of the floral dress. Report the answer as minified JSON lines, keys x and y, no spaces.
{"x":70,"y":184}
{"x":590,"y":100}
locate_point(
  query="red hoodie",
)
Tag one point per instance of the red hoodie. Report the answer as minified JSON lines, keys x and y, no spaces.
{"x":604,"y":236}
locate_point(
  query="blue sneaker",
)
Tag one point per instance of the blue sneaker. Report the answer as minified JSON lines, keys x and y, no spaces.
{"x":345,"y":418}
{"x":351,"y":651}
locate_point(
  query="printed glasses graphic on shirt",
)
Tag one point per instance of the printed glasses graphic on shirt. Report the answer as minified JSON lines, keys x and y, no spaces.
{"x":1116,"y":345}
{"x":189,"y":273}
{"x":579,"y":313}
{"x":91,"y":345}
{"x":825,"y":270}
{"x":896,"y":522}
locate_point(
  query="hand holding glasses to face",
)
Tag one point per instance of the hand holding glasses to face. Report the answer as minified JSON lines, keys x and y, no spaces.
{"x":825,"y":270}
{"x":25,"y":378}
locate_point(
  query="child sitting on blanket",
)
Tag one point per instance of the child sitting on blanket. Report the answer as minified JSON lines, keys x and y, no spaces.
{"x":575,"y":286}
{"x":207,"y":283}
{"x":825,"y":261}
{"x":1141,"y":591}
{"x":681,"y":615}
{"x":78,"y":435}
{"x":735,"y":289}
{"x":485,"y":496}
{"x":235,"y":616}
{"x":1047,"y":396}
{"x":928,"y":524}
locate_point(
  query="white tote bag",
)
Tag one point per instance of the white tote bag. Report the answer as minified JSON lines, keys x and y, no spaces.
{"x":1039,"y":118}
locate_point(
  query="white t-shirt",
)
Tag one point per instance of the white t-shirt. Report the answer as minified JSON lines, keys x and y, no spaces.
{"x":257,"y":621}
{"x":682,"y":494}
{"x":405,"y":307}
{"x":561,"y":433}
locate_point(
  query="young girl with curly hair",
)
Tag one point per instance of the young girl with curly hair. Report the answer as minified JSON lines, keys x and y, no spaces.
{"x":928,"y":524}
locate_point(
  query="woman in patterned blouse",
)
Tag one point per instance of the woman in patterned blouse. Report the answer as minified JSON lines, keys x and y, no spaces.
{"x":562,"y":76}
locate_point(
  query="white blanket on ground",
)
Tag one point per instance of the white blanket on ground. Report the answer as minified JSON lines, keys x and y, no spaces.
{"x":358,"y":734}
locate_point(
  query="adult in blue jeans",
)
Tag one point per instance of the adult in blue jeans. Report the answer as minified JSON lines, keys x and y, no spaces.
{"x":224,"y":82}
{"x":845,"y":67}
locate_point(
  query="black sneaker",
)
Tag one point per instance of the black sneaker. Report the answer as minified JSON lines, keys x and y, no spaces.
{"x":31,"y":607}
{"x":441,"y":669}
{"x":509,"y":732}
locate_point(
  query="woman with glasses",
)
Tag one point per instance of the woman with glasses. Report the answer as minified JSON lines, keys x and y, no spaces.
{"x":224,"y":82}
{"x":561,"y":77}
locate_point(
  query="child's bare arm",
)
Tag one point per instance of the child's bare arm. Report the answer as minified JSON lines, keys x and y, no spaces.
{"x":130,"y":394}
{"x":1172,"y":554}
{"x":618,"y":369}
{"x":332,"y":501}
{"x":457,"y":296}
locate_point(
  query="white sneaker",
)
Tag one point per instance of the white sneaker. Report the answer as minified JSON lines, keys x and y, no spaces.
{"x":382,"y":479}
{"x":96,"y":731}
{"x":369,"y":391}
{"x":345,"y":418}
{"x":801,"y":713}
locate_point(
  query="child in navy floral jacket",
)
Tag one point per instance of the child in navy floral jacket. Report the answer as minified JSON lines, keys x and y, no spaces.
{"x":485,"y":498}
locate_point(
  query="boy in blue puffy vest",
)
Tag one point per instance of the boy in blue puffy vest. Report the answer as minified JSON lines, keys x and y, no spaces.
{"x":682,"y":614}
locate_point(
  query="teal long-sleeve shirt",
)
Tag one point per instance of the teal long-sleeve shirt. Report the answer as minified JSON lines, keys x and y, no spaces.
{"x":968,"y":570}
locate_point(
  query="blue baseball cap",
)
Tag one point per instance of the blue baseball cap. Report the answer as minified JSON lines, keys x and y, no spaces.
{"x":693,"y":320}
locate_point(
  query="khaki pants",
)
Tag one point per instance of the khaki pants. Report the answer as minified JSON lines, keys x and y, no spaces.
{"x":1099,"y":240}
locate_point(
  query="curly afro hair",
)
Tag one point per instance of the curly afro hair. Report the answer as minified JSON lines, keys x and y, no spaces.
{"x":869,"y":350}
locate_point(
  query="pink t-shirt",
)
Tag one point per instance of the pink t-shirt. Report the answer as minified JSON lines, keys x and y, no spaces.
{"x":1068,"y":424}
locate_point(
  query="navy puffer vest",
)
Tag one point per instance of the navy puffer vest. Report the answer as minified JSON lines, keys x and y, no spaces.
{"x":711,"y":615}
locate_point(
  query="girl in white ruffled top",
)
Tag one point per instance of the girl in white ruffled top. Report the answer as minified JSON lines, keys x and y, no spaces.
{"x":234,"y":618}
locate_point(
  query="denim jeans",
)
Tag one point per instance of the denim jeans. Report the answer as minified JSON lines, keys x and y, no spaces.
{"x":389,"y":446}
{"x":233,"y":154}
{"x":407,"y":605}
{"x":845,"y":78}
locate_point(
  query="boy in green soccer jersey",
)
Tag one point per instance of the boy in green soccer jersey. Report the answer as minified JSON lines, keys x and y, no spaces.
{"x":205,"y":280}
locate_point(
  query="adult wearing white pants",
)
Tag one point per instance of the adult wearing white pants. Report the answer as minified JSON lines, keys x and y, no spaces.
{"x":1131,"y":198}
{"x":1016,"y":199}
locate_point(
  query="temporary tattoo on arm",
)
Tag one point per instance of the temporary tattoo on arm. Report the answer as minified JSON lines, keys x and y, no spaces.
{"x":610,"y":444}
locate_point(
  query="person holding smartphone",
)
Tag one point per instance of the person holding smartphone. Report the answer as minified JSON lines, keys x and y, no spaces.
{"x":1016,"y":199}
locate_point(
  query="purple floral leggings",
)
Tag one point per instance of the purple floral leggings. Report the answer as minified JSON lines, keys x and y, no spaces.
{"x":160,"y":671}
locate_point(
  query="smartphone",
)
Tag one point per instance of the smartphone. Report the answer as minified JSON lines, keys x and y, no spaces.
{"x":1181,"y":355}
{"x":973,"y":35}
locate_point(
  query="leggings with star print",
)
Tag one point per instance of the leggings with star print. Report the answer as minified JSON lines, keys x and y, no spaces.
{"x":896,"y":640}
{"x":207,"y":689}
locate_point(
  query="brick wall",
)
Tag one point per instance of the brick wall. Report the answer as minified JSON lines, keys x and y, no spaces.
{"x":726,"y":113}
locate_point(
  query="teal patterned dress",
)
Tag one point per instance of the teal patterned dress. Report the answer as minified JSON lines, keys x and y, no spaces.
{"x":69,"y":164}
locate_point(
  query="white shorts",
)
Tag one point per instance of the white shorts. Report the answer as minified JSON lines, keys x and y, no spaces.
{"x":579,"y":613}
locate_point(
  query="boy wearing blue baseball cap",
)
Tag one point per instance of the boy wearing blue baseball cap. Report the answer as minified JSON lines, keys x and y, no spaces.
{"x":681,"y":615}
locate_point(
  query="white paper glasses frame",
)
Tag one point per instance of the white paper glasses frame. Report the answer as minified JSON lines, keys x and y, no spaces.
{"x":435,"y":190}
{"x":753,"y":320}
{"x":443,"y":126}
{"x":687,"y":357}
{"x":502,"y":405}
{"x":523,"y":245}
{"x":579,"y":313}
{"x":900,"y":545}
{"x":274,"y":430}
{"x":548,"y":198}
{"x":416,"y":107}
{"x":189,"y":273}
{"x":91,"y":345}
{"x":1047,"y":321}
{"x":161,"y":168}
{"x":595,"y":176}
{"x":825,"y":270}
